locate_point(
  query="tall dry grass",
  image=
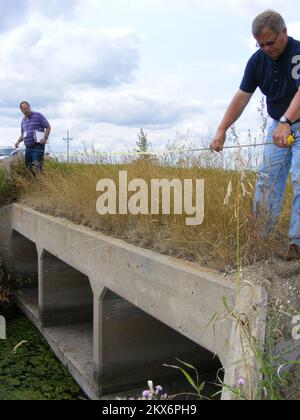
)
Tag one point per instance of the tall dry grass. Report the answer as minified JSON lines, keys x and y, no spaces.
{"x":7,"y":188}
{"x":227,"y":237}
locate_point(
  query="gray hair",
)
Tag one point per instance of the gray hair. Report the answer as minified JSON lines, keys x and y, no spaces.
{"x":268,"y":19}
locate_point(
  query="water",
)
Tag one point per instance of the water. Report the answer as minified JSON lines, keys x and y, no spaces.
{"x":33,"y":372}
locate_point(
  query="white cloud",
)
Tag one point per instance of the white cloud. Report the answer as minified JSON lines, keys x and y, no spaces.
{"x":252,"y":7}
{"x":294,"y":29}
{"x":40,"y":59}
{"x":236,"y":69}
{"x":86,"y":66}
{"x":12,"y":13}
{"x":53,"y":8}
{"x":16,"y":12}
{"x":129,"y":107}
{"x":246,"y":7}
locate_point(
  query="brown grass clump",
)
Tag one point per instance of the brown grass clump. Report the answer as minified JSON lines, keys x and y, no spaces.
{"x":227,"y":237}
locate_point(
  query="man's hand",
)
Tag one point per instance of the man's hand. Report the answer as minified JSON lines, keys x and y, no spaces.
{"x":218,"y":143}
{"x":281,"y":135}
{"x":17,"y":145}
{"x":44,"y":141}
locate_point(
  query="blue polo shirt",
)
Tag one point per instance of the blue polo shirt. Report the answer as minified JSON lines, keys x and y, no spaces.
{"x":35,"y":122}
{"x":278,"y":79}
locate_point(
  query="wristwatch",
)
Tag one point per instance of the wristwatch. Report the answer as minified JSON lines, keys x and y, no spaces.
{"x":285,"y":120}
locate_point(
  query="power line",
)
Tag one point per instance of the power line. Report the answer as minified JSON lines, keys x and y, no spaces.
{"x":68,"y":139}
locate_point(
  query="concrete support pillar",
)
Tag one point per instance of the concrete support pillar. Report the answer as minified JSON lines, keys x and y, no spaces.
{"x":98,"y":344}
{"x":247,"y":340}
{"x":130,"y":346}
{"x":65,"y":295}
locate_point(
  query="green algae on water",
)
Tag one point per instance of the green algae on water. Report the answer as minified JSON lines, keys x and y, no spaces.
{"x":33,"y":372}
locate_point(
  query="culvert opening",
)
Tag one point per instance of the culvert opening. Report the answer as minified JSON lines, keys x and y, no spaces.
{"x":66,"y":294}
{"x":136,"y":346}
{"x":24,"y":263}
{"x":66,"y":313}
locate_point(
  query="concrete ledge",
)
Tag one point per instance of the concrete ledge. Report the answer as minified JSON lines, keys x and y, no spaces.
{"x":157,"y":284}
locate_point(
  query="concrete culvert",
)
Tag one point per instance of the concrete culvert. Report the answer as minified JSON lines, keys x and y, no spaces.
{"x":114,"y":312}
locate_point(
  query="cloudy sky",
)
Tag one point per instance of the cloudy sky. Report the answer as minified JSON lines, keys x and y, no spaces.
{"x":103,"y":69}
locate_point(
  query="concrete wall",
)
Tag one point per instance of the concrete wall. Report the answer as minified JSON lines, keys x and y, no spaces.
{"x":24,"y":257}
{"x":134,"y":345}
{"x":6,"y":235}
{"x":65,"y":294}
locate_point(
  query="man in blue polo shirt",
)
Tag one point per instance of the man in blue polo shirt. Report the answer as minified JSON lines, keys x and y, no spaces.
{"x":35,"y":130}
{"x":275,"y":69}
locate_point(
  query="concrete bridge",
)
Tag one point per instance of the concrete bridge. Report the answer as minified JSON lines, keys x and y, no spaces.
{"x":114,"y":313}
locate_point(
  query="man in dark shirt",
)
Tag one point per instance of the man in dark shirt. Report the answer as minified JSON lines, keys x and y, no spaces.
{"x":35,"y":130}
{"x":275,"y":69}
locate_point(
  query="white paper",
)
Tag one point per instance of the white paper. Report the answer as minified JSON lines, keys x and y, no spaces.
{"x":39,"y":135}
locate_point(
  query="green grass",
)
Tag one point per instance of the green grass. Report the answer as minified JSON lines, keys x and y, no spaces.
{"x":33,"y":373}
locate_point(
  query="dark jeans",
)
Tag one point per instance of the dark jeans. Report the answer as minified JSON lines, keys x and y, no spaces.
{"x":34,"y":157}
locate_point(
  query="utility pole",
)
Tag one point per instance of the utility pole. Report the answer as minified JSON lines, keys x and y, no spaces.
{"x":68,"y":139}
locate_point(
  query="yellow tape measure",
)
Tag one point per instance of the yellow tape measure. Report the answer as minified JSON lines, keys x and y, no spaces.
{"x":291,"y":139}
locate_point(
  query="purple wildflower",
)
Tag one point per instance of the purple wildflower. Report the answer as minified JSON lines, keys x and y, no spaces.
{"x":159,"y":389}
{"x":241,"y":382}
{"x":147,"y":394}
